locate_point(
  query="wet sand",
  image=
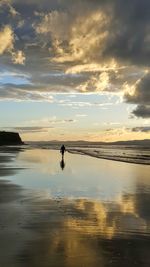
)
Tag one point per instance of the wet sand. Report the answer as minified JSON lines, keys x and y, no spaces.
{"x":47,"y":221}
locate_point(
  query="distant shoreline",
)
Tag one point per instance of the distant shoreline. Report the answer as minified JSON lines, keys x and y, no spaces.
{"x":144,"y":142}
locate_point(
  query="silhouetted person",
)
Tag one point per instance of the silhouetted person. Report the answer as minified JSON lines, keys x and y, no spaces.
{"x":62,"y":150}
{"x":62,"y":164}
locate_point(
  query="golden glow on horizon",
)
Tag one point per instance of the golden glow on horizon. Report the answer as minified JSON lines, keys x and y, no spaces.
{"x":113,"y":136}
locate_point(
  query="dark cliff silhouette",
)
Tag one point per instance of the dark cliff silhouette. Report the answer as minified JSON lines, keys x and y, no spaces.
{"x":10,"y":138}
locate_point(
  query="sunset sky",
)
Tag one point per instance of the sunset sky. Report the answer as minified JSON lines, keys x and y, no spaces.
{"x":75,"y":69}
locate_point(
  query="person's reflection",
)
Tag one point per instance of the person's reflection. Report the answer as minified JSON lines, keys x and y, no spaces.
{"x":62,"y":164}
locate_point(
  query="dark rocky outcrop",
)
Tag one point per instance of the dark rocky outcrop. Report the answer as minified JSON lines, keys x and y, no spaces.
{"x":10,"y":138}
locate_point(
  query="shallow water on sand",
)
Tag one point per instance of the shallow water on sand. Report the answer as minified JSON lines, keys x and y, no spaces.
{"x":78,"y":212}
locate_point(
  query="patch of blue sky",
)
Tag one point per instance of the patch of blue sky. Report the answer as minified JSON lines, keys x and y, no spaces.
{"x":91,"y":97}
{"x":10,"y":114}
{"x":11,"y":79}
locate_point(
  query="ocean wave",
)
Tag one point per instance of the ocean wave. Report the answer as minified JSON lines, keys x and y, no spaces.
{"x":125,"y":155}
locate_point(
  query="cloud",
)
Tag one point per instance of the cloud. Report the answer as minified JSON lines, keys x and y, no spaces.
{"x":23,"y":93}
{"x":125,"y":42}
{"x":47,"y":122}
{"x":145,"y":129}
{"x":112,"y":123}
{"x":94,"y":67}
{"x":82,"y":104}
{"x":142,"y":111}
{"x":96,"y":31}
{"x":81,"y":115}
{"x":73,"y":38}
{"x":124,"y":133}
{"x":61,"y":121}
{"x":6,"y":39}
{"x":6,"y":4}
{"x":18,"y":57}
{"x":76,"y":46}
{"x":139,"y":94}
{"x":140,"y":91}
{"x":100,"y":82}
{"x":30,"y":129}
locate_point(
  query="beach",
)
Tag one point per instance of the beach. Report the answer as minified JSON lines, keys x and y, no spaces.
{"x":82,"y":211}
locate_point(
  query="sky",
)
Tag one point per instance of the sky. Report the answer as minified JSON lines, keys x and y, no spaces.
{"x":75,"y":69}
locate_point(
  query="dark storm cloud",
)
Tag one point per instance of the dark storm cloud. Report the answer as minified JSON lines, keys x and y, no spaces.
{"x":145,"y":129}
{"x":142,"y":111}
{"x":129,"y":35}
{"x":141,"y":96}
{"x":141,"y":92}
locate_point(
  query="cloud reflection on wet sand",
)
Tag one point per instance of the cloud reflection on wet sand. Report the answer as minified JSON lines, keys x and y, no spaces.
{"x":67,"y":232}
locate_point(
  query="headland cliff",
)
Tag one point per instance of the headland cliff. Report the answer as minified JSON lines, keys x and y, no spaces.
{"x":10,"y":138}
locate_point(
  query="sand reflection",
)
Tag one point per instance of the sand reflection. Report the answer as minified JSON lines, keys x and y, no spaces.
{"x":65,"y":232}
{"x":86,"y":233}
